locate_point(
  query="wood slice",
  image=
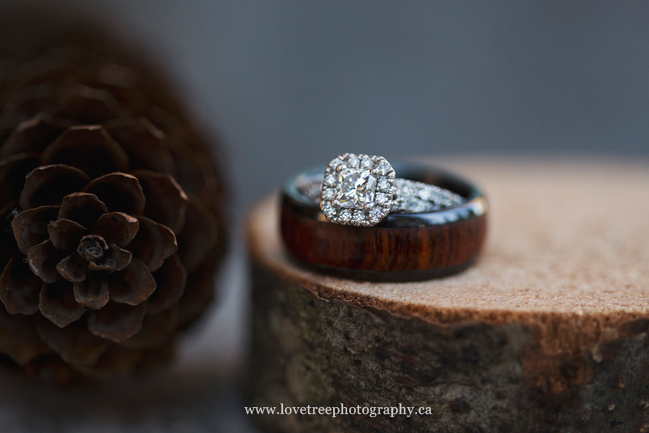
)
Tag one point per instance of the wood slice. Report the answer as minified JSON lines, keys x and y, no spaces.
{"x":547,"y":333}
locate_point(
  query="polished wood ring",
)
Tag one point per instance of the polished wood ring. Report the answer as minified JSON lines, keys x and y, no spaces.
{"x":404,"y":247}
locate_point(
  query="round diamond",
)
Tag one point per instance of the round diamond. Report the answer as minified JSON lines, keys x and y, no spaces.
{"x":328,"y":194}
{"x":328,"y":210}
{"x":383,"y":168}
{"x":353,"y":161}
{"x":330,"y":180}
{"x":376,"y":214}
{"x":382,"y":198}
{"x":384,"y":185}
{"x":345,"y":216}
{"x":366,"y":162}
{"x":335,"y":162}
{"x":359,"y":217}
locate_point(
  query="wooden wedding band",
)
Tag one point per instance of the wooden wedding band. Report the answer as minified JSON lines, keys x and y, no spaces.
{"x":404,"y":247}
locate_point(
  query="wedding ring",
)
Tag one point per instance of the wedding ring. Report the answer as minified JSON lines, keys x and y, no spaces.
{"x":361,"y":190}
{"x":408,"y":244}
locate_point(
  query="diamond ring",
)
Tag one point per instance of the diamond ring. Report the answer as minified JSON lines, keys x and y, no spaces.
{"x":361,"y":190}
{"x":429,"y":231}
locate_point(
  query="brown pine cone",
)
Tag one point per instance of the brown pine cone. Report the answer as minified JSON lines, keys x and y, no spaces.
{"x":111,"y":208}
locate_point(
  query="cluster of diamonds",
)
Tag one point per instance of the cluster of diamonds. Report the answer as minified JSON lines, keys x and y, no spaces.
{"x":417,"y":197}
{"x":357,"y":190}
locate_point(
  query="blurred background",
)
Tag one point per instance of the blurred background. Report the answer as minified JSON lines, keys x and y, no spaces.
{"x":290,"y":84}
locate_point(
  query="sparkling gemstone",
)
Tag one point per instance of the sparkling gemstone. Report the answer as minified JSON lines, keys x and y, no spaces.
{"x":384,"y":185}
{"x":384,"y":167}
{"x":359,"y":217}
{"x":356,"y":188}
{"x":353,"y":161}
{"x":328,"y":194}
{"x":376,"y":214}
{"x":345,"y":216}
{"x":328,"y":210}
{"x":335,"y":162}
{"x":330,"y":180}
{"x":382,"y":198}
{"x":366,"y":162}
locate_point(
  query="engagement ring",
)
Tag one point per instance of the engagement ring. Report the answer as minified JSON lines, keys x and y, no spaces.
{"x":432,"y":222}
{"x":361,"y":190}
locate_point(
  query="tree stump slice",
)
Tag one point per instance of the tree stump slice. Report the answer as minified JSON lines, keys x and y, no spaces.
{"x":547,"y":333}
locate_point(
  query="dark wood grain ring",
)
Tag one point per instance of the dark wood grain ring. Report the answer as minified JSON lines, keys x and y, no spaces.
{"x":404,"y":247}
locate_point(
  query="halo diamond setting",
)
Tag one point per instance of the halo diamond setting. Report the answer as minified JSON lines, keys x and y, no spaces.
{"x":357,"y":189}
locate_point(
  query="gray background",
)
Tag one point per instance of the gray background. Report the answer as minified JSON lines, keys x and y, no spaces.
{"x":290,"y":84}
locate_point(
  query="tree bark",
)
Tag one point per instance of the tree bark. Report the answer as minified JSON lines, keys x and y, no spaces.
{"x":547,"y":333}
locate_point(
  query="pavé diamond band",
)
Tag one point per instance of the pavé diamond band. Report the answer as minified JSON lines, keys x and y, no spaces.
{"x":361,"y":190}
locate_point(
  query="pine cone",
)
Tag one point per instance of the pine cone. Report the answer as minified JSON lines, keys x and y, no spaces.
{"x":111,"y":203}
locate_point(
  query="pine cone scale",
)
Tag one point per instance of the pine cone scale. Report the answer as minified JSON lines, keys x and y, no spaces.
{"x":134,"y":285}
{"x":171,"y":279}
{"x":156,"y":328}
{"x":72,"y":268}
{"x":19,"y":339}
{"x":193,"y":249}
{"x":74,"y":343}
{"x":153,"y":244}
{"x":7,"y":236}
{"x":88,"y":148}
{"x":30,"y":227}
{"x":117,"y":228}
{"x":13,"y":171}
{"x":57,"y":303}
{"x":92,"y":291}
{"x":47,"y":185}
{"x":43,"y":259}
{"x":120,"y":192}
{"x":21,"y":287}
{"x":116,"y":322}
{"x":143,"y":143}
{"x":34,"y":135}
{"x":65,"y":233}
{"x":167,"y":202}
